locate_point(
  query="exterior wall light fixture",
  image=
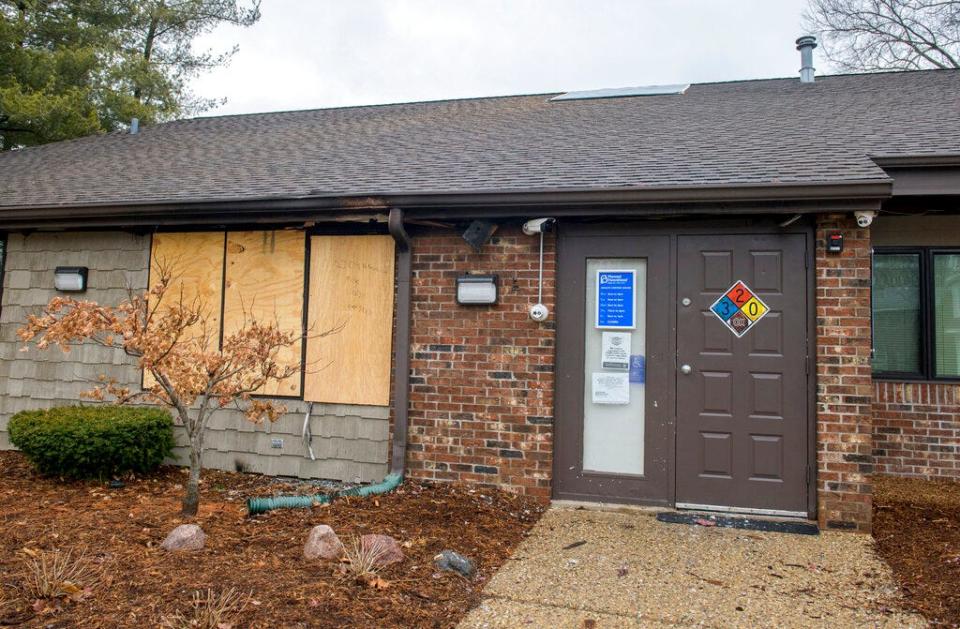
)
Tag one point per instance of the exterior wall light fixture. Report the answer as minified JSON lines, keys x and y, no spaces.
{"x":71,"y":279}
{"x":475,"y":290}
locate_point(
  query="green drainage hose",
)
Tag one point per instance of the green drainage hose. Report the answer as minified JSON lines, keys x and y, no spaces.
{"x":256,"y":506}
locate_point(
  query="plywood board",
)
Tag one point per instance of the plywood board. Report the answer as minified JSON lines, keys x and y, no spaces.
{"x":351,"y":294}
{"x":196,"y":260}
{"x":265,"y":280}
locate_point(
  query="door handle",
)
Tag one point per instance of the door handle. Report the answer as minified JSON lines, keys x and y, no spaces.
{"x":686,"y":369}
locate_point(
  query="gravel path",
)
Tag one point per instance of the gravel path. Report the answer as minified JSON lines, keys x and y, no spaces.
{"x":634,"y":571}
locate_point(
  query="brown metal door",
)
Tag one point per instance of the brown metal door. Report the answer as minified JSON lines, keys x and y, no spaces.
{"x":742,"y":402}
{"x":573,"y":480}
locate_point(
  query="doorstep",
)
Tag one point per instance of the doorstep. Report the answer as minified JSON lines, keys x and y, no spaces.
{"x":616,"y":507}
{"x":769,"y":524}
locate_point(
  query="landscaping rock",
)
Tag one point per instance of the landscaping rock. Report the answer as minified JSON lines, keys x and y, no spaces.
{"x":392,"y":552}
{"x":455,"y":562}
{"x":322,"y":543}
{"x":185,"y":537}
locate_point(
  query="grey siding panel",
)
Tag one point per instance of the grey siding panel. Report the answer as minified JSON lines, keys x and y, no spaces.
{"x":350,"y":442}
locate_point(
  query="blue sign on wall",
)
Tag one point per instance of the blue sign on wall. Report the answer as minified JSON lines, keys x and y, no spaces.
{"x":638,"y":369}
{"x":616,"y":299}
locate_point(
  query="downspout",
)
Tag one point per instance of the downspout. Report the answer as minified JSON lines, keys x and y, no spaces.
{"x":401,"y":350}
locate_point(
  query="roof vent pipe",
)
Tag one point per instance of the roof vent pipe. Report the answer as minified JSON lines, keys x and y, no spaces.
{"x":805,"y":45}
{"x":134,"y":126}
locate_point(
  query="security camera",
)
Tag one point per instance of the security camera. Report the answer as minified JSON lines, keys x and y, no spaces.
{"x":538,"y":226}
{"x":539,"y":312}
{"x":865,"y":217}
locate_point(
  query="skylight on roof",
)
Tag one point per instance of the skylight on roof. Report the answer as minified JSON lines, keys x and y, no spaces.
{"x":623,"y":92}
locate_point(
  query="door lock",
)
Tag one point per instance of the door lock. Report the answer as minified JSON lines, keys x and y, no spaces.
{"x":686,"y":369}
{"x":685,"y":301}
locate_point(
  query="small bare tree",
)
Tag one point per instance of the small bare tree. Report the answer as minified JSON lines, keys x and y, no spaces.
{"x":173,"y":341}
{"x":874,"y":35}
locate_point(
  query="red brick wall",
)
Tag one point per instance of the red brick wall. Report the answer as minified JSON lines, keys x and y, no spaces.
{"x":916,"y":429}
{"x":844,"y":381}
{"x":481,"y":400}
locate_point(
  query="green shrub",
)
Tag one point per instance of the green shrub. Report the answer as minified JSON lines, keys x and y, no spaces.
{"x":93,"y":441}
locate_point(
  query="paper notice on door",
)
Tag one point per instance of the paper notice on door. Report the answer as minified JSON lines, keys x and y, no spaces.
{"x":611,"y":388}
{"x":615,"y":350}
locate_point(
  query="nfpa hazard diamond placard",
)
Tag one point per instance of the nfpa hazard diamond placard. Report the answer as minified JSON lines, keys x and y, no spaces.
{"x":739,"y":308}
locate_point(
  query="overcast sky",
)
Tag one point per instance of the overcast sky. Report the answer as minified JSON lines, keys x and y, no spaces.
{"x":322,"y":53}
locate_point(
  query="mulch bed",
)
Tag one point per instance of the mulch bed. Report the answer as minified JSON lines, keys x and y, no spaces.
{"x":140,"y":585}
{"x":917,"y":529}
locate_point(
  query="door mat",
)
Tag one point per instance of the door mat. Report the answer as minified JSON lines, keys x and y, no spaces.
{"x":730,"y":522}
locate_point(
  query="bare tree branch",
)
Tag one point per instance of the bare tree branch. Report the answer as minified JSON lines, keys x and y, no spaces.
{"x":878,"y":35}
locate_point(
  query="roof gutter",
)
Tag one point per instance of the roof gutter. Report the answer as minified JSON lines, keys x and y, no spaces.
{"x":401,"y":345}
{"x":917,"y":161}
{"x":750,"y":198}
{"x":935,"y":175}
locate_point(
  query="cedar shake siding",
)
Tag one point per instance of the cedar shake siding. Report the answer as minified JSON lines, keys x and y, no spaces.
{"x":350,"y":442}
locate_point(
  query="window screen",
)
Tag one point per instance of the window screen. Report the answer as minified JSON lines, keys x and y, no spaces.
{"x":946,"y":314}
{"x":897,"y":313}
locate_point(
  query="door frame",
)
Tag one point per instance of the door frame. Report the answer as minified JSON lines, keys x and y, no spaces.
{"x":656,"y":484}
{"x":624,"y":228}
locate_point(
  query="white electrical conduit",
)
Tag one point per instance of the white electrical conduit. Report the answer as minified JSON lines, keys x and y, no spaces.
{"x":540,"y":276}
{"x":307,"y":434}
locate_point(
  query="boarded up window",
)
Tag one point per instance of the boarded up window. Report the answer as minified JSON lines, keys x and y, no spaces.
{"x":196,"y":261}
{"x":265,"y":280}
{"x":351,"y":291}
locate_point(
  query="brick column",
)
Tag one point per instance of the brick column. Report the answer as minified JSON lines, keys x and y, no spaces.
{"x":481,"y":400}
{"x":844,"y":381}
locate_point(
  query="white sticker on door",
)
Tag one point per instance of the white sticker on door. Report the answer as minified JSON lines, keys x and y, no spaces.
{"x":739,"y":308}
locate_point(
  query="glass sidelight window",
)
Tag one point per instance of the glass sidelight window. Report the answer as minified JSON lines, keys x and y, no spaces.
{"x":916,"y":313}
{"x":614,"y":365}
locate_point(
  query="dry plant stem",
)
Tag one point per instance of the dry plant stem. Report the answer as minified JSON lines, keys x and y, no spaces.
{"x":56,"y":574}
{"x":210,"y":610}
{"x":362,"y":559}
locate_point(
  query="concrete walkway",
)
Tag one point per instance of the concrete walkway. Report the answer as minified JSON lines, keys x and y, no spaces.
{"x":633,"y":571}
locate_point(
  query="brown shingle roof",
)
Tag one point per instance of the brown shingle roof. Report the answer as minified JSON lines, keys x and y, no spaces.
{"x":775,"y":131}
